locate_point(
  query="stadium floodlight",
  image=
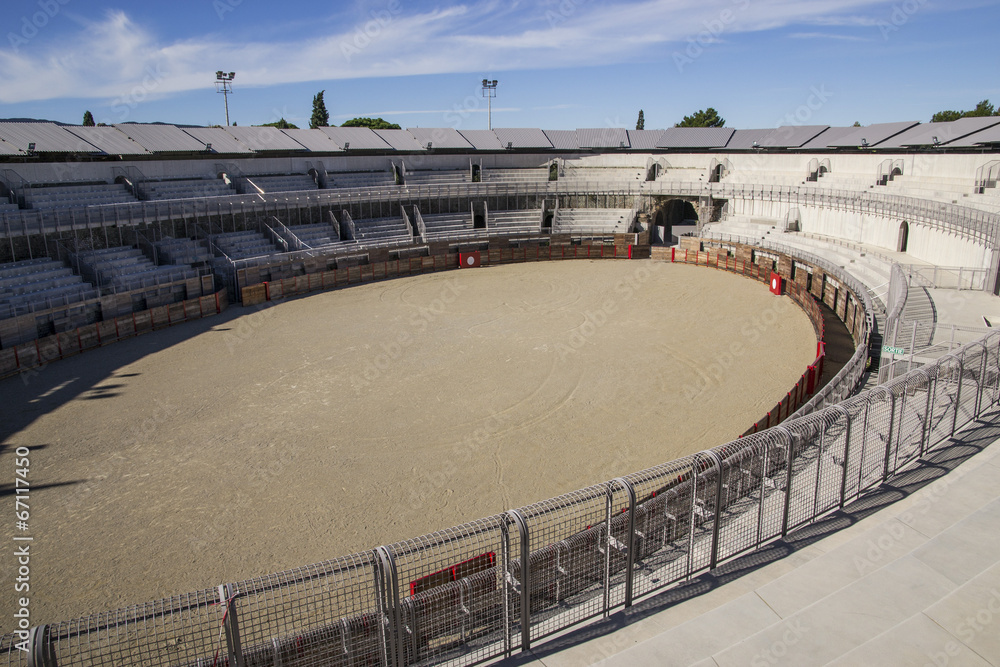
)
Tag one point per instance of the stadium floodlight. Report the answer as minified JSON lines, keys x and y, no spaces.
{"x":864,"y":142}
{"x":208,"y":148}
{"x":937,"y":142}
{"x":224,"y":85}
{"x":31,"y":147}
{"x":489,"y":92}
{"x":347,"y":145}
{"x":430,"y":145}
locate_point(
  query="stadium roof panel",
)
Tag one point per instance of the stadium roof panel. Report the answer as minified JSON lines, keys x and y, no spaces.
{"x":263,"y":139}
{"x":945,"y":133}
{"x":793,"y":136}
{"x":872,"y":134}
{"x":222,"y":141}
{"x":743,"y":140}
{"x":314,"y":140}
{"x":47,"y":137}
{"x":602,"y":137}
{"x":109,"y":140}
{"x":161,"y":138}
{"x":695,"y":137}
{"x":522,"y":137}
{"x":564,"y":140}
{"x":822,"y":141}
{"x":359,"y":138}
{"x":990,"y":135}
{"x":439,"y":137}
{"x":482,"y":140}
{"x":643,"y":140}
{"x":400,"y":140}
{"x":9,"y":149}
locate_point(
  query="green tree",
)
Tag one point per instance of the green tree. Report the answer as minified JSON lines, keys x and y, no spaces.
{"x":984,"y":108}
{"x":373,"y":123}
{"x":704,"y":118}
{"x":946,"y":116}
{"x":88,"y":119}
{"x":641,"y":123}
{"x":856,"y":124}
{"x":281,"y":124}
{"x":320,"y":116}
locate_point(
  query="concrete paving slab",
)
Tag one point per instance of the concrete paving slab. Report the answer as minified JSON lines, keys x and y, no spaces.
{"x":966,"y":549}
{"x":972,"y":614}
{"x":916,"y":641}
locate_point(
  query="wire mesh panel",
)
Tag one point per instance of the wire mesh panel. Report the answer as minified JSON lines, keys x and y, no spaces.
{"x":818,"y":467}
{"x":10,"y":654}
{"x":877,"y":426}
{"x":322,"y":614}
{"x":747,"y":491}
{"x":181,"y":630}
{"x":912,"y":407}
{"x":855,"y":408}
{"x":944,"y":400}
{"x":707,"y":486}
{"x":991,"y":374}
{"x":973,"y":361}
{"x":662,"y":524}
{"x":456,"y":601}
{"x":567,"y":566}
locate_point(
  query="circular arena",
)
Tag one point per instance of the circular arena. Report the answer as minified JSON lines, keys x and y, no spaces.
{"x":221,"y":376}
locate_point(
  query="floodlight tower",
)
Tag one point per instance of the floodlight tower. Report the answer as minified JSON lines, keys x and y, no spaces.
{"x":489,"y":92}
{"x":224,"y":85}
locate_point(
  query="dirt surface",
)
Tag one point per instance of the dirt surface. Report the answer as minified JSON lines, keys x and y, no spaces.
{"x":271,"y":438}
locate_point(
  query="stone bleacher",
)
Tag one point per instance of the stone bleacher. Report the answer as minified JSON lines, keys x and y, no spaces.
{"x":603,"y":174}
{"x":242,"y":245}
{"x":187,"y":188}
{"x":450,"y":225}
{"x":182,"y":251}
{"x":278,"y":183}
{"x":512,"y":222}
{"x":361,"y":179}
{"x":315,"y":236}
{"x":52,"y":197}
{"x":379,"y":229}
{"x":442,"y":177}
{"x":592,"y":221}
{"x":128,"y":269}
{"x":40,"y":284}
{"x":7,"y":207}
{"x":533,"y":175}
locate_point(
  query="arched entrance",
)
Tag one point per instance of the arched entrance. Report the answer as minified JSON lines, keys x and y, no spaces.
{"x":904,"y":236}
{"x":670,"y":214}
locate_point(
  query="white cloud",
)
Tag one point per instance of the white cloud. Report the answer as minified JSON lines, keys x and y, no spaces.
{"x":113,"y":58}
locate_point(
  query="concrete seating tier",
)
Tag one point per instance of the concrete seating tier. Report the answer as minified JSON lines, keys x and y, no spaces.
{"x":683,"y":175}
{"x":315,"y":235}
{"x":436,"y":177}
{"x":535,"y":175}
{"x":188,"y":188}
{"x":450,"y":225}
{"x":280,"y":183}
{"x":7,"y":207}
{"x":361,"y":179}
{"x":127,"y":269}
{"x":39,"y":284}
{"x":74,"y":196}
{"x":504,"y":222}
{"x":601,"y":174}
{"x":182,"y":251}
{"x":382,"y":229}
{"x":592,"y":220}
{"x":240,"y":245}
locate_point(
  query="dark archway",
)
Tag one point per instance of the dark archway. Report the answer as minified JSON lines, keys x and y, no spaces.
{"x":904,"y":236}
{"x":553,"y":172}
{"x":670,"y":214}
{"x":478,"y":221}
{"x":476,"y":173}
{"x":896,"y":171}
{"x":547,"y":222}
{"x":717,"y":173}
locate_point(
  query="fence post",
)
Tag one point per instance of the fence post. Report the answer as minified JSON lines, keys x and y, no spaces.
{"x":227,"y":597}
{"x":788,"y":478}
{"x":40,"y":650}
{"x":958,"y":396}
{"x":522,"y":528}
{"x":892,"y":425}
{"x":387,"y":588}
{"x":630,"y":545}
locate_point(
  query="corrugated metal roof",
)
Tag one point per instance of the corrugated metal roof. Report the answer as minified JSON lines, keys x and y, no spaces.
{"x":314,"y":140}
{"x":222,"y":141}
{"x":644,"y":140}
{"x":522,"y":137}
{"x":47,"y":137}
{"x":873,"y":134}
{"x":360,"y":138}
{"x":823,"y":139}
{"x":695,"y":137}
{"x":602,"y":137}
{"x":924,"y":134}
{"x":9,"y":149}
{"x":792,"y":136}
{"x":400,"y":140}
{"x":988,"y":136}
{"x":440,"y":137}
{"x":161,"y":138}
{"x":482,"y":140}
{"x":109,"y":140}
{"x":743,"y":140}
{"x":264,"y":139}
{"x":563,"y":140}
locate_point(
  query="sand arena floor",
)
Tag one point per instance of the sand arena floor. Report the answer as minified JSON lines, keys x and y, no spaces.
{"x":271,"y":438}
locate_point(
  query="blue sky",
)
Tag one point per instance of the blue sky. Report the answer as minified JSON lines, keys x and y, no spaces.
{"x":561,"y":64}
